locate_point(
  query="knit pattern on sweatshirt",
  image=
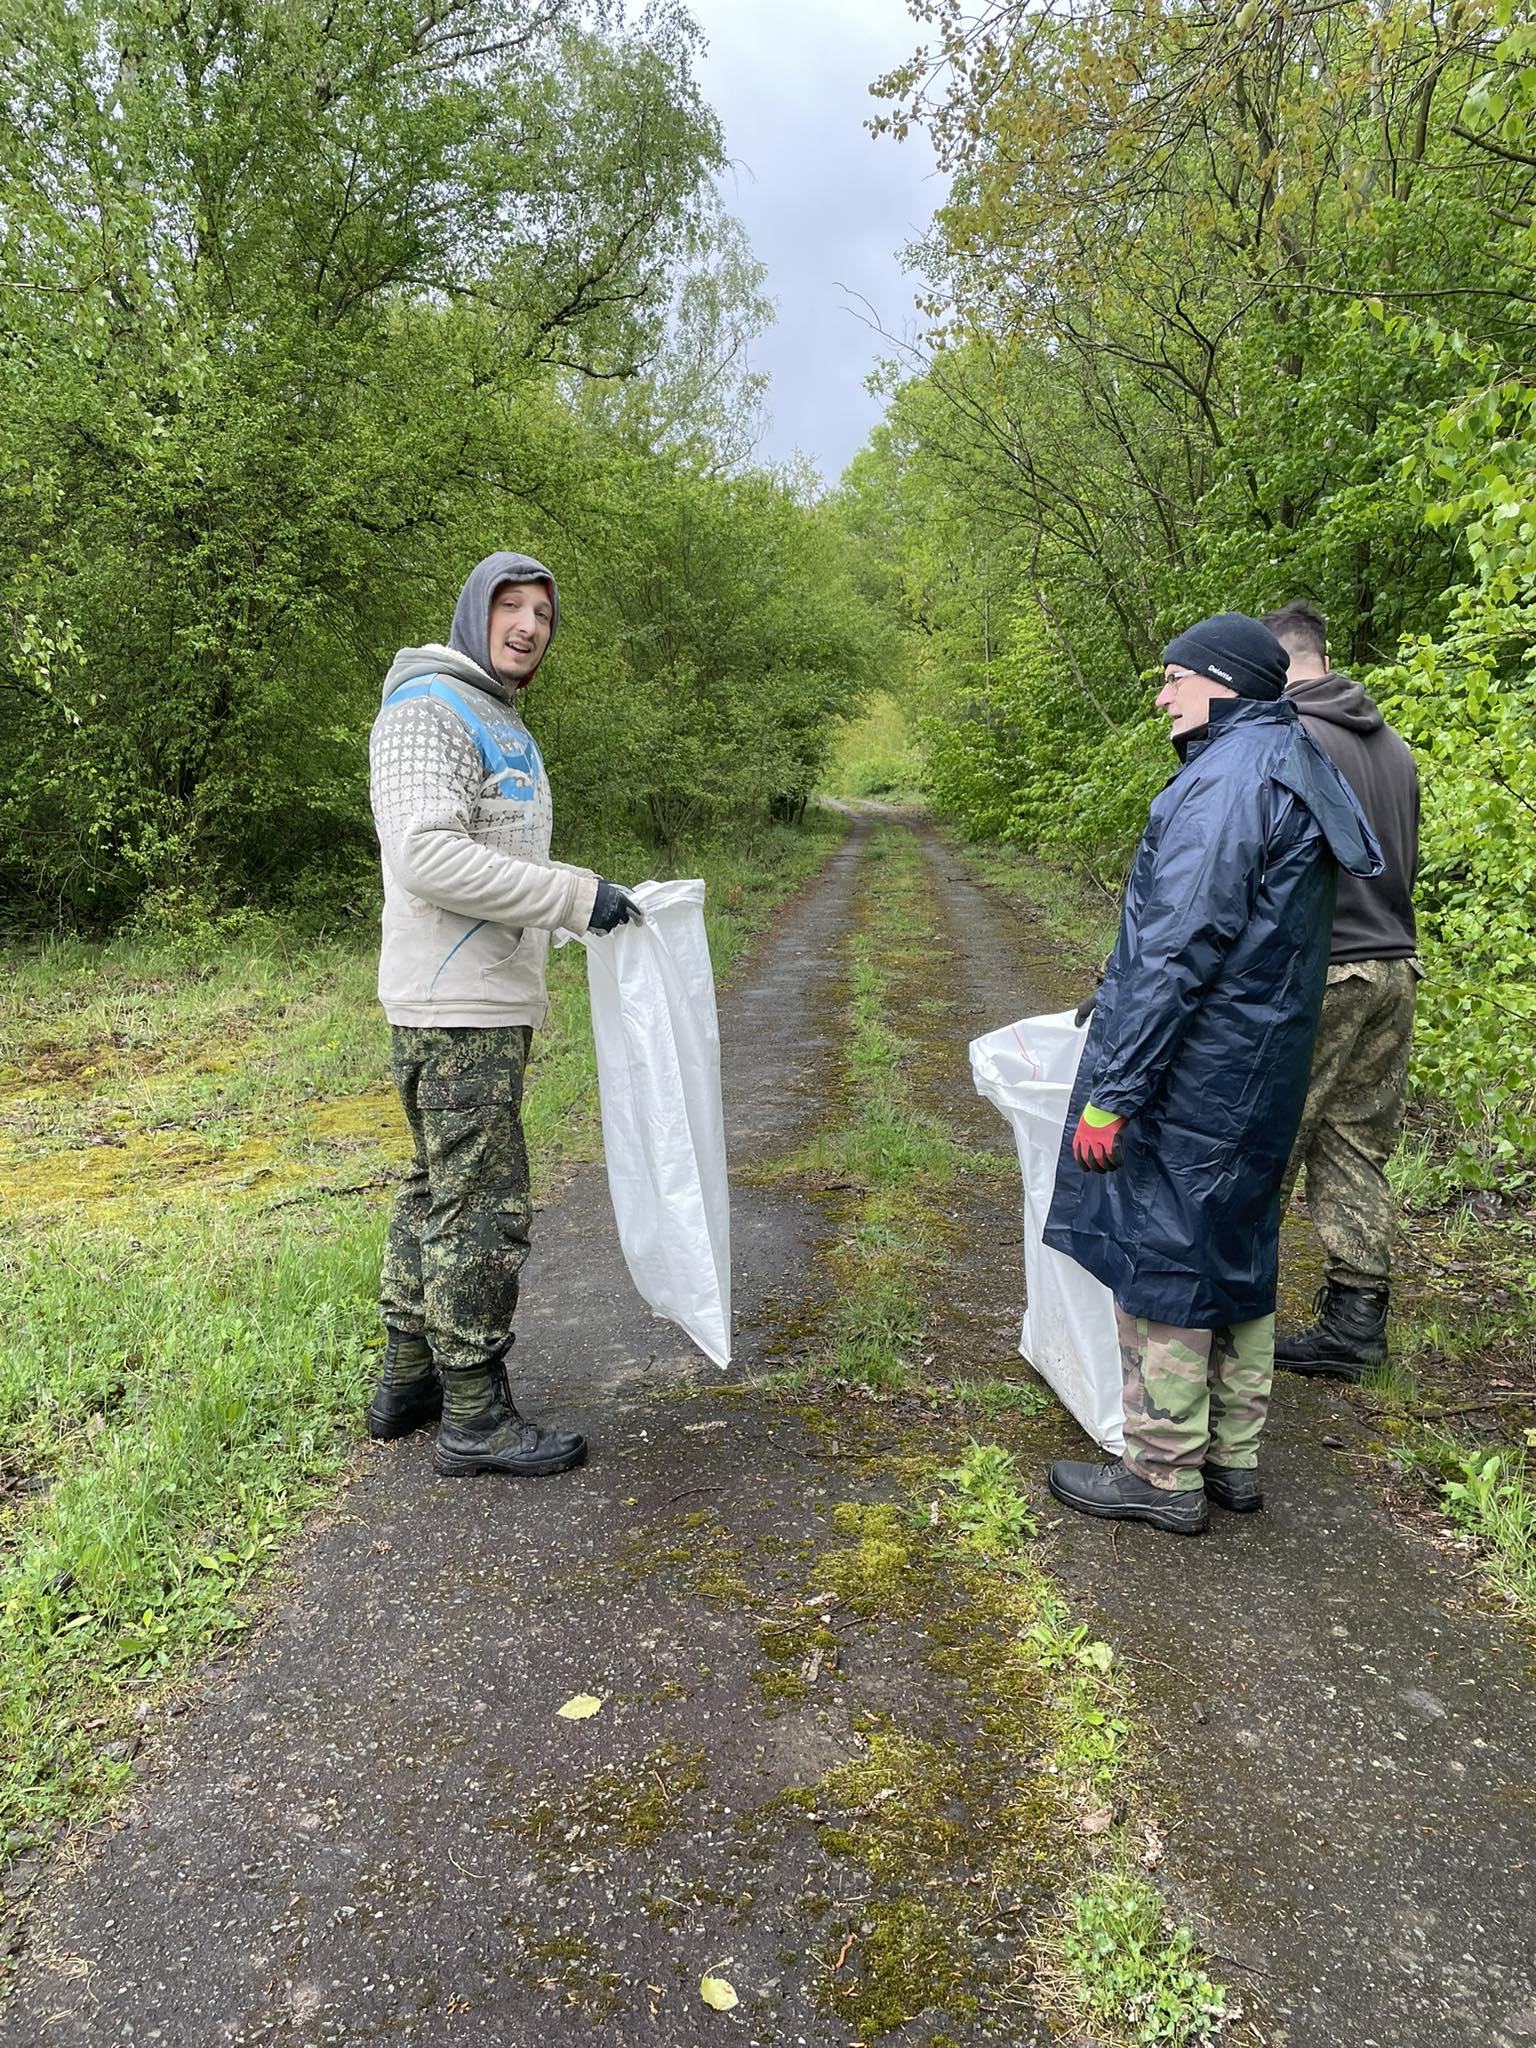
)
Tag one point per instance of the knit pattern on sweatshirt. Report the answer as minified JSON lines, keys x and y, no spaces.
{"x":427,"y":773}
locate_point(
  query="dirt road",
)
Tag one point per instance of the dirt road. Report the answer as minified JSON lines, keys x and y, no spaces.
{"x":375,"y":1826}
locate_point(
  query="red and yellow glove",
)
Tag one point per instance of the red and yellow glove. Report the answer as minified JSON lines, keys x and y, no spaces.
{"x":1096,"y":1141}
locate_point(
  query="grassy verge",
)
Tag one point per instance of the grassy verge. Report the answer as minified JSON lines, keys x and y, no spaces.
{"x":197,"y":1154}
{"x":895,"y":1162}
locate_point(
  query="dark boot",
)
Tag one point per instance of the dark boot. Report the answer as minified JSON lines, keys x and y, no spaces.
{"x":1117,"y":1495}
{"x":409,"y":1394}
{"x":1350,"y":1333}
{"x":496,"y":1438}
{"x":1235,"y":1488}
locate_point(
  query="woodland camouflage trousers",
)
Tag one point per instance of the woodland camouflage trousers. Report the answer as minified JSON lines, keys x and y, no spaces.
{"x":458,"y":1233}
{"x":1193,"y":1397}
{"x":1354,"y":1115}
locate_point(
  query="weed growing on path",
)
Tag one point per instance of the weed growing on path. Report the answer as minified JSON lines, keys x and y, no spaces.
{"x":983,"y":1504}
{"x":994,"y":1398}
{"x":1022,"y":1796}
{"x":1133,"y":1970}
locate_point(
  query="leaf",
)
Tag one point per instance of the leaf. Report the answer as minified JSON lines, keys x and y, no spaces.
{"x":717,"y":1992}
{"x":581,"y":1708}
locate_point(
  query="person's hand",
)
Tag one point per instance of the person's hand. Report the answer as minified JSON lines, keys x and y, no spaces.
{"x":1096,"y":1141}
{"x":613,"y":906}
{"x":1086,"y":1008}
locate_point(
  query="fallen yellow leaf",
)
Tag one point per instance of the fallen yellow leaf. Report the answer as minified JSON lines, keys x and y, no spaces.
{"x":582,"y":1708}
{"x":717,"y":1993}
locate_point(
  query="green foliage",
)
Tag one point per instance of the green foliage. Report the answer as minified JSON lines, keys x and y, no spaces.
{"x":983,"y":1504}
{"x":303,"y":308}
{"x":1132,"y":1971}
{"x":1490,"y":1495}
{"x":1002,"y":1397}
{"x":1283,"y":354}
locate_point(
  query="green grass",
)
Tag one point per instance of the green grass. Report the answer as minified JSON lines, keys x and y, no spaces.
{"x":1492,"y":1496}
{"x":995,"y":1398}
{"x":187,"y":1315}
{"x":1053,"y":1698}
{"x":898,"y":1159}
{"x":172,"y":1398}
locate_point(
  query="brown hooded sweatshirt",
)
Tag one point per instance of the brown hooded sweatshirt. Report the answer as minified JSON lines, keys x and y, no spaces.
{"x":1373,"y":919}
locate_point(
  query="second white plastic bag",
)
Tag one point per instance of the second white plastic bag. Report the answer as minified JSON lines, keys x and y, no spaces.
{"x":1069,"y":1337}
{"x":658,"y":1067}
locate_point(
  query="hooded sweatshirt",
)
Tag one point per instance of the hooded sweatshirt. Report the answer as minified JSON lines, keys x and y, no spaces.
{"x":1373,"y":918}
{"x":462,"y":806}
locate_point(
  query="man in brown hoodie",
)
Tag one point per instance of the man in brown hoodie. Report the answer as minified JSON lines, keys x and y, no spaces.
{"x":1354,"y":1109}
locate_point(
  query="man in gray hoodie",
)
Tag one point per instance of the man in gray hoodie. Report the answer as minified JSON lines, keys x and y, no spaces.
{"x":461,"y":802}
{"x":1355,"y":1101}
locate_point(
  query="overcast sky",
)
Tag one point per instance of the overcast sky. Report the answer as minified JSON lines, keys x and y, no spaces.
{"x":824,"y":204}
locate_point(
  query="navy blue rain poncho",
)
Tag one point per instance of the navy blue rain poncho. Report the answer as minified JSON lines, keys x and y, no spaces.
{"x":1203,"y":1032}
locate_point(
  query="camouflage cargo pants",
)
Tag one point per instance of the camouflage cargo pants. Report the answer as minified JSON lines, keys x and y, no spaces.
{"x":458,"y":1233}
{"x":1193,"y":1397}
{"x":1354,"y":1116}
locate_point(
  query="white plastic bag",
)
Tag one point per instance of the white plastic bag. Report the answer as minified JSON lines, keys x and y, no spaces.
{"x":1069,"y":1334}
{"x":658,"y":1072}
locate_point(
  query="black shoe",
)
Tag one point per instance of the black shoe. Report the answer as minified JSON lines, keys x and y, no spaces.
{"x":1119,"y":1496}
{"x":1235,"y":1488}
{"x":399,"y":1405}
{"x":1350,"y":1334}
{"x":500,"y":1440}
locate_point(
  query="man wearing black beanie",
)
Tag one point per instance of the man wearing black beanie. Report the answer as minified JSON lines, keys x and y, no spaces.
{"x":1191,"y":1082}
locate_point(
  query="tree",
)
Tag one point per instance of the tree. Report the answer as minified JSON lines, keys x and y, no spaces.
{"x":286,"y":294}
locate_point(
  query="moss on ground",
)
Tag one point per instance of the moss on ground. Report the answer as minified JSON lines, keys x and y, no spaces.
{"x":625,"y":1807}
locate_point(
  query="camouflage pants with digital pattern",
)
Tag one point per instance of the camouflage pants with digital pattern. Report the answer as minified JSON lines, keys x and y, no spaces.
{"x":458,"y":1233}
{"x":1193,"y":1397}
{"x":1354,"y":1116}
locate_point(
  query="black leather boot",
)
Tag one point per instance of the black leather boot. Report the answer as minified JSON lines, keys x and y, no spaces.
{"x":1350,"y":1334}
{"x":498,"y":1439}
{"x":1235,"y":1488}
{"x":406,"y":1398}
{"x":1116,"y":1495}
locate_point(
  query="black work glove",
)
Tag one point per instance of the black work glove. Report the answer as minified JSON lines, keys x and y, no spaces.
{"x":613,"y":906}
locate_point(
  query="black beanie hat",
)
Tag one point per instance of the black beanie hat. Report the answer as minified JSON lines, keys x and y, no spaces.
{"x":1235,"y":650}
